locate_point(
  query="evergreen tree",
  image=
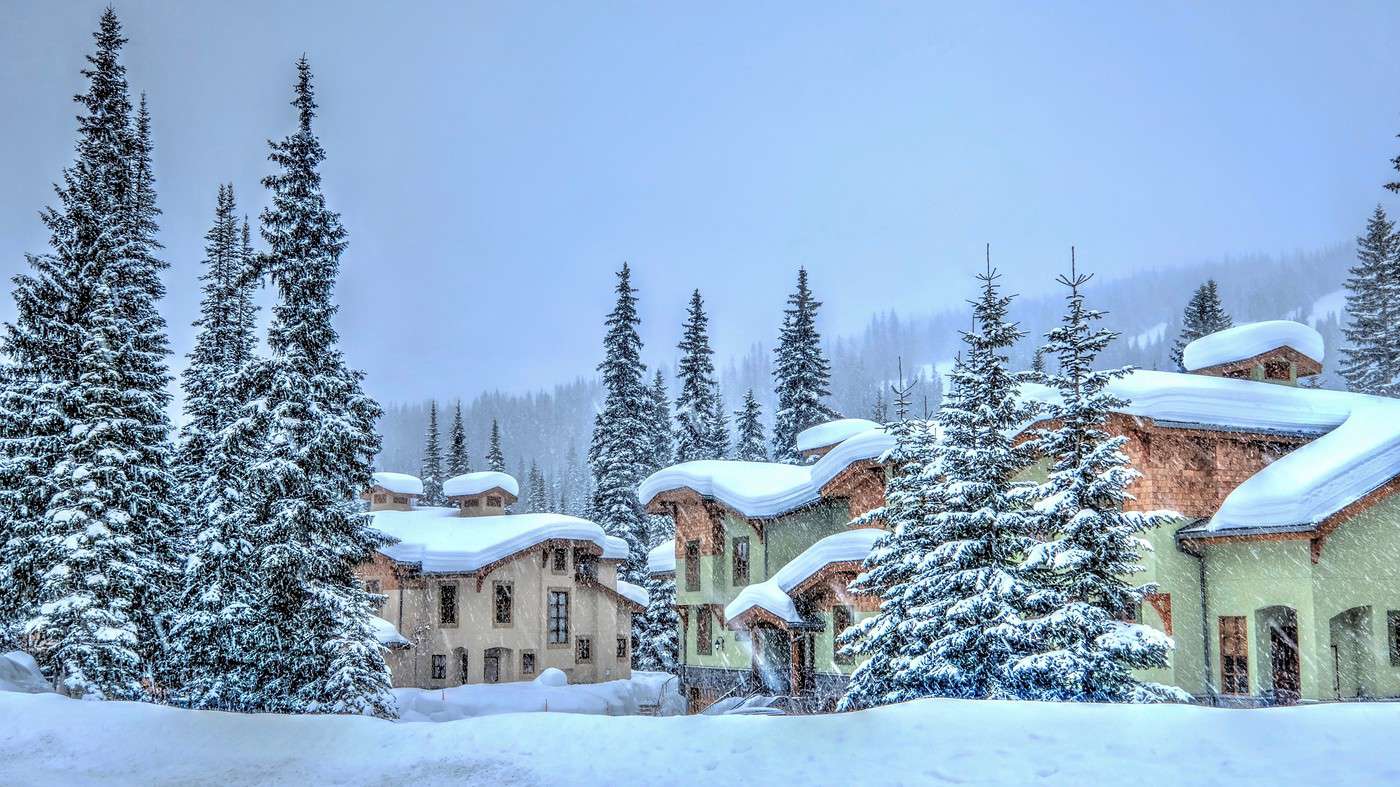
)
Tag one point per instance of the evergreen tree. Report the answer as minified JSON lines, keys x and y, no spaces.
{"x":1371,"y":359}
{"x":880,"y":410}
{"x":750,"y":446}
{"x":889,"y":672}
{"x":1081,"y":649}
{"x":662,"y":451}
{"x":619,"y":451}
{"x":574,"y":492}
{"x":1203,"y":316}
{"x":89,"y":530}
{"x":539,"y":491}
{"x":966,"y":595}
{"x":701,"y":430}
{"x":432,"y":461}
{"x":1038,"y":361}
{"x":801,"y":372}
{"x":458,"y":461}
{"x":658,"y":640}
{"x":495,"y":457}
{"x":309,"y":437}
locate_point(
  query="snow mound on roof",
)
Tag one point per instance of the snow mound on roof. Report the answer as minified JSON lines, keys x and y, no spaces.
{"x":476,"y":483}
{"x":773,"y":595}
{"x":400,"y":483}
{"x":1249,"y":340}
{"x":832,"y":432}
{"x":19,"y":672}
{"x":662,"y":559}
{"x":634,"y":593}
{"x":385,"y":632}
{"x":765,"y":489}
{"x":440,"y":541}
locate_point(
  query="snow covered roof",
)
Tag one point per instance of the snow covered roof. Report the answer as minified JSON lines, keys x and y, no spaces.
{"x":634,"y":593}
{"x":439,"y":541}
{"x":662,"y":559}
{"x":766,"y":489}
{"x":1357,"y":451}
{"x":1249,"y":340}
{"x":832,"y":432}
{"x":848,"y":545}
{"x":399,"y":483}
{"x":387,"y":635}
{"x":475,"y":483}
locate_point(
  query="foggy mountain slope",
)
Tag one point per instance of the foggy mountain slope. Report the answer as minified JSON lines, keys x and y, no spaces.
{"x":1145,"y":307}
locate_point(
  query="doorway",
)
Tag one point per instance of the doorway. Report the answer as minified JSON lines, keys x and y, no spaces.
{"x":495,"y":665}
{"x":1285,"y":666}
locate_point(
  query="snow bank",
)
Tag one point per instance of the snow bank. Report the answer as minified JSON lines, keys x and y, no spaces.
{"x":399,"y":483}
{"x":772,"y":595}
{"x":440,"y":541}
{"x":1249,"y":340}
{"x":550,"y":692}
{"x":46,"y":739}
{"x":832,"y":432}
{"x":476,"y":483}
{"x":19,"y":672}
{"x":662,"y":559}
{"x":387,"y":635}
{"x":634,"y":593}
{"x":765,"y":489}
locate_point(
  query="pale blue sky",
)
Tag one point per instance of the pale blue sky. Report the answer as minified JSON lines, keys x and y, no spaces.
{"x":495,"y":162}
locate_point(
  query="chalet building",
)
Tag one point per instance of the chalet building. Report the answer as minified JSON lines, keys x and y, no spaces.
{"x":393,"y":492}
{"x":472,"y":595}
{"x":1276,"y":581}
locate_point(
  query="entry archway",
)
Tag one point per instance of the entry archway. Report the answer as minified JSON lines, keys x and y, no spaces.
{"x":1353,"y":665}
{"x":1281,"y":663}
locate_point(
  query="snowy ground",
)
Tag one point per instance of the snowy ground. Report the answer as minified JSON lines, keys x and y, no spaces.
{"x":549,"y":692}
{"x":46,"y":739}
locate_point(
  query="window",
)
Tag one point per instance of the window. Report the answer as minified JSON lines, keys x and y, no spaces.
{"x":439,"y":666}
{"x":493,"y":501}
{"x":741,"y":561}
{"x":560,"y":560}
{"x":583,"y":651}
{"x":462,"y":664}
{"x":447,"y":604}
{"x":401,"y":500}
{"x":1234,"y":655}
{"x":381,"y":497}
{"x":503,"y":603}
{"x":558,"y":617}
{"x":622,"y":647}
{"x":527,"y":662}
{"x":703,"y":646}
{"x":473,"y":502}
{"x":586,"y":565}
{"x":1392,"y":625}
{"x":841,"y":619}
{"x":692,"y":565}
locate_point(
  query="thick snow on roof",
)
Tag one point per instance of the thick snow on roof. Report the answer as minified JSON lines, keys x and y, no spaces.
{"x":1249,"y":340}
{"x":773,"y":594}
{"x":764,"y":489}
{"x":662,"y":559}
{"x":832,"y":432}
{"x":476,"y":483}
{"x":634,"y":593}
{"x":1359,"y":450}
{"x":401,"y":483}
{"x":385,"y":632}
{"x":440,"y":541}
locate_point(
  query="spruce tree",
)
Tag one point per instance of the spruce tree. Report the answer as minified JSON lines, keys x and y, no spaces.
{"x":801,"y":373}
{"x":538,"y":490}
{"x":1371,"y":359}
{"x":495,"y":457}
{"x":662,"y":450}
{"x":619,"y":453}
{"x":310,"y":437}
{"x":658,"y":641}
{"x":1204,"y":315}
{"x":432,"y":461}
{"x":1081,"y":650}
{"x":701,"y":429}
{"x":574,"y":492}
{"x":750,"y":447}
{"x":880,"y":409}
{"x":458,"y":460}
{"x":89,"y":529}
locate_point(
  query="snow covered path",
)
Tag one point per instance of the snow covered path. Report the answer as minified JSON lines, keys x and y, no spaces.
{"x":46,"y":739}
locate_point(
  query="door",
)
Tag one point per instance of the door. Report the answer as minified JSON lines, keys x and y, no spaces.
{"x":1283,"y":653}
{"x":491,"y":667}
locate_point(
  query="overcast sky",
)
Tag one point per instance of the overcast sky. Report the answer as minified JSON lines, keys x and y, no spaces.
{"x":494,"y":163}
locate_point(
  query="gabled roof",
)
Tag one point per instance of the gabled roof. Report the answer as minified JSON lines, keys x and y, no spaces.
{"x":398,"y":483}
{"x":1250,"y":340}
{"x":469,"y":484}
{"x":848,"y":546}
{"x":766,"y":489}
{"x":437,"y":540}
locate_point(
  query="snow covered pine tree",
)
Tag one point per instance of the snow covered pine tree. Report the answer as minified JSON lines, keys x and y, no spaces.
{"x":1081,"y":648}
{"x":314,"y":648}
{"x":495,"y":457}
{"x":802,"y":373}
{"x":1371,"y":361}
{"x":432,"y":460}
{"x":458,"y":460}
{"x":750,"y":446}
{"x":89,"y":530}
{"x":701,"y":427}
{"x":1204,"y":315}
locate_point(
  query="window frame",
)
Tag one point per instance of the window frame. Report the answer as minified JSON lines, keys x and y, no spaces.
{"x":1234,"y":665}
{"x":464,"y":665}
{"x":439,"y":666}
{"x":737,"y":562}
{"x":528,"y":667}
{"x":496,"y":588}
{"x":493,"y":501}
{"x":692,"y":565}
{"x":622,"y":646}
{"x":556,"y":565}
{"x":456,"y":606}
{"x":556,"y":638}
{"x":583,"y":650}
